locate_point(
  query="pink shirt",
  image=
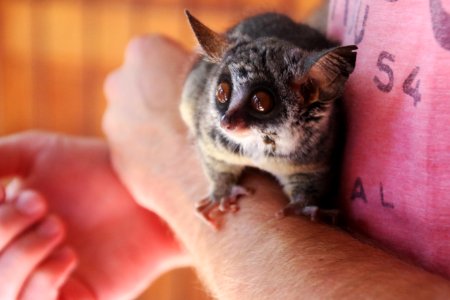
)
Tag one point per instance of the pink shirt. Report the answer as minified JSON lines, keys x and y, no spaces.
{"x":396,"y":186}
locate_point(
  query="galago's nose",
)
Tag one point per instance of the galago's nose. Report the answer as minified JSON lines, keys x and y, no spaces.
{"x":232,"y":121}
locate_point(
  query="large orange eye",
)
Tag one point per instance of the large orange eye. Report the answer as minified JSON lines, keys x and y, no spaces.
{"x":223,"y":92}
{"x":262,"y":102}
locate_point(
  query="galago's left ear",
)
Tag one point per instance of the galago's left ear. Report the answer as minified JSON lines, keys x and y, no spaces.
{"x":212,"y":43}
{"x":327,"y":72}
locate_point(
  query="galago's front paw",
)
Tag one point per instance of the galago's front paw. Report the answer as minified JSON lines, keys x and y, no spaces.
{"x":212,"y":208}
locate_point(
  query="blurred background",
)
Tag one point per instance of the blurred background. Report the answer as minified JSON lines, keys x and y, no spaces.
{"x":55,"y":55}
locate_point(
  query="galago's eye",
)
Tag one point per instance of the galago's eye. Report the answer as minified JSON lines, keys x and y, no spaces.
{"x":223,"y":92}
{"x":262,"y":102}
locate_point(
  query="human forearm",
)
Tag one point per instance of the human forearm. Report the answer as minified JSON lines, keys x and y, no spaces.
{"x":255,"y":256}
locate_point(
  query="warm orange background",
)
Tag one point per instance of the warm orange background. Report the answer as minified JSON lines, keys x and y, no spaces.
{"x":54,"y":56}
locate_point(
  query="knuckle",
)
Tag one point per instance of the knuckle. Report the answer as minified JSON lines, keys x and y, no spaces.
{"x":107,"y":124}
{"x":110,"y":85}
{"x":141,"y":47}
{"x":147,"y":41}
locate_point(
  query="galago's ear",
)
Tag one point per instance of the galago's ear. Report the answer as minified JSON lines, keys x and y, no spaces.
{"x":213,"y":44}
{"x":326,"y":73}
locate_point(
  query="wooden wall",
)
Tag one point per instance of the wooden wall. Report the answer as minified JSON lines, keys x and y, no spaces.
{"x":55,"y":54}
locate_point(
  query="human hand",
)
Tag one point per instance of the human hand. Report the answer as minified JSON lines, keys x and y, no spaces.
{"x":28,"y":239}
{"x":120,"y":246}
{"x":152,"y":152}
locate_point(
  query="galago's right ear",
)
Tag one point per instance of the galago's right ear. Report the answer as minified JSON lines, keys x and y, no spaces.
{"x":324,"y":73}
{"x":330,"y":69}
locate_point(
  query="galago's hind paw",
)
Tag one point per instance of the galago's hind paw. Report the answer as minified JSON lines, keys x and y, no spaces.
{"x":292,"y":209}
{"x":313,"y":212}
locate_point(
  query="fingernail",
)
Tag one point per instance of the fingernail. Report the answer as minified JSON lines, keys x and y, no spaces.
{"x":29,"y":203}
{"x":50,"y":227}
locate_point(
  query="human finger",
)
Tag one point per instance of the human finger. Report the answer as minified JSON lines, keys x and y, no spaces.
{"x":50,"y":275}
{"x":17,"y":215}
{"x":14,"y":187}
{"x":20,"y":258}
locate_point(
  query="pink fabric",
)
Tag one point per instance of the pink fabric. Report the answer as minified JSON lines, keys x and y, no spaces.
{"x":396,"y":183}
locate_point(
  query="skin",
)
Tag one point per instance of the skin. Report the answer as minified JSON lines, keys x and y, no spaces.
{"x":85,"y":255}
{"x":254,"y":255}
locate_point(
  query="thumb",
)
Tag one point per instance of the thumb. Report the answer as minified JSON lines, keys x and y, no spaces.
{"x":19,"y":151}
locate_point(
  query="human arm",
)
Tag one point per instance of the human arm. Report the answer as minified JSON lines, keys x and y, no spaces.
{"x":120,"y":247}
{"x":253,"y":256}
